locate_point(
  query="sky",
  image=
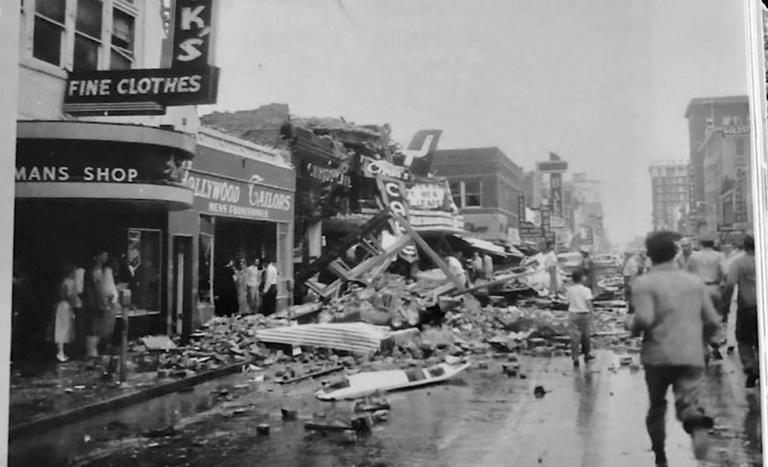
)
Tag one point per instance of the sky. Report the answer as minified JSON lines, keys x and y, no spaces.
{"x":602,"y":83}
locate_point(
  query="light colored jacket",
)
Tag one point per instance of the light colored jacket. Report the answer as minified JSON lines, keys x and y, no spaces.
{"x":675,"y":314}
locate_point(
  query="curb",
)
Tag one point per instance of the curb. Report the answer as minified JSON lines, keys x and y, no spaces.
{"x":48,"y":422}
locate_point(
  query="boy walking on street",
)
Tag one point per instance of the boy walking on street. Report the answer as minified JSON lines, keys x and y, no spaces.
{"x":580,"y":308}
{"x":674,"y":312}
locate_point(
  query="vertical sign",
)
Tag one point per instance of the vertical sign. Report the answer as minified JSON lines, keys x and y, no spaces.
{"x":740,"y":211}
{"x":521,"y":209}
{"x":192,"y":34}
{"x":556,"y":187}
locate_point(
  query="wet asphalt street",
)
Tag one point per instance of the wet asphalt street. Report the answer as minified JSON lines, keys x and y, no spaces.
{"x":590,"y":416}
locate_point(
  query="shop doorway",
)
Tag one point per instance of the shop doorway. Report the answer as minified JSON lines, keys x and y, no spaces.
{"x":180,"y":315}
{"x":238,"y":242}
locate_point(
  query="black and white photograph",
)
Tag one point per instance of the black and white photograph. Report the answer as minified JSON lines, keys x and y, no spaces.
{"x":384,"y":233}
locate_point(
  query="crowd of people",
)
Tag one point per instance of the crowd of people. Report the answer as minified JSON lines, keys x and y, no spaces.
{"x":244,"y":289}
{"x":686,"y":302}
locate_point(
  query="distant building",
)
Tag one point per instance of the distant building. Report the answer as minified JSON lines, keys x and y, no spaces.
{"x":485,"y":184}
{"x":727,"y":191}
{"x":705,"y":115}
{"x":587,"y":205}
{"x":670,"y":195}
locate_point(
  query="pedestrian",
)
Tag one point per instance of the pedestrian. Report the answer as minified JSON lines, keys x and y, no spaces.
{"x":674,"y":313}
{"x":97,"y":303}
{"x":477,"y":266}
{"x":241,"y":272}
{"x":686,"y":249}
{"x":551,"y":266}
{"x":225,"y":291}
{"x":708,"y":264}
{"x":455,"y":268}
{"x":270,"y":288}
{"x":631,"y":270}
{"x":487,"y":267}
{"x":588,"y":267}
{"x":742,"y":276}
{"x":580,"y":309}
{"x":64,"y":329}
{"x":252,"y":282}
{"x":730,"y":309}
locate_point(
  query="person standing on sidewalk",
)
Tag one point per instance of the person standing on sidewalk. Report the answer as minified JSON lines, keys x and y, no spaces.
{"x":707,"y":264}
{"x":674,"y":313}
{"x":252,"y":281}
{"x":580,"y":309}
{"x":270,"y":288}
{"x":742,"y":275}
{"x":730,"y":308}
{"x":588,"y":267}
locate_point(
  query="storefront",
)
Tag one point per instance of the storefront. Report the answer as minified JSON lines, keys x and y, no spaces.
{"x":243,"y":210}
{"x":83,"y":188}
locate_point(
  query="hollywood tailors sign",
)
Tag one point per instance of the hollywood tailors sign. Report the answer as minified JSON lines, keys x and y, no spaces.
{"x":238,"y":198}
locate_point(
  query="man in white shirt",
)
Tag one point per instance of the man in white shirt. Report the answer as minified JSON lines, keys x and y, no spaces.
{"x":455,"y":267}
{"x":252,"y":281}
{"x":707,"y":264}
{"x":270,"y":288}
{"x":580,"y":308}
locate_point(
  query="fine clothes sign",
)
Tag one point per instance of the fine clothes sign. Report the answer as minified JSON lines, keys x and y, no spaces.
{"x":114,"y":90}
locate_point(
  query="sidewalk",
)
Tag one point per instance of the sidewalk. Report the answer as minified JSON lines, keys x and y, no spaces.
{"x":46,"y":394}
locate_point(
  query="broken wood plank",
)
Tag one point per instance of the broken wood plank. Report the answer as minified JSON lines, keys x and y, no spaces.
{"x":316,"y":374}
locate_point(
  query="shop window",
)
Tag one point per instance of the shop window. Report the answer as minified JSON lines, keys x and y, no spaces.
{"x":140,"y":269}
{"x":205,"y":269}
{"x":49,"y":30}
{"x":473,"y":193}
{"x":121,"y":54}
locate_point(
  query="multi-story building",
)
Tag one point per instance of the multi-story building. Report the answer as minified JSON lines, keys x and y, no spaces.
{"x":485,"y":184}
{"x":727,"y":191}
{"x":669,"y":192}
{"x":705,"y":115}
{"x":110,"y":158}
{"x":586,"y":199}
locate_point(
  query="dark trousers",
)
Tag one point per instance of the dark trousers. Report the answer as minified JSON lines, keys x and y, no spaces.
{"x":687,"y":384}
{"x":270,"y":297}
{"x":581,"y":331}
{"x":746,"y":337}
{"x":628,"y":294}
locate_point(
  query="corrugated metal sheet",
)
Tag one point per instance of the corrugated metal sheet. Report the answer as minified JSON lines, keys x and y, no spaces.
{"x":351,"y":337}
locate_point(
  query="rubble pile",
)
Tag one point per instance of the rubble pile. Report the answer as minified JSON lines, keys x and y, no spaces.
{"x":387,"y":301}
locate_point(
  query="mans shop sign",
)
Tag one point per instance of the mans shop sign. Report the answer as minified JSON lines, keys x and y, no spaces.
{"x":236,"y":198}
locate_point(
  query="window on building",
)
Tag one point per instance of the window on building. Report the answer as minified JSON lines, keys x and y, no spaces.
{"x":121,"y":53}
{"x":49,"y":31}
{"x":473,"y":193}
{"x":87,"y":35}
{"x":455,"y":188}
{"x":100,"y":34}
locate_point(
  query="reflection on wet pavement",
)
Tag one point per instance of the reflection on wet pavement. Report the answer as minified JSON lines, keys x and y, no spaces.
{"x":591,"y":416}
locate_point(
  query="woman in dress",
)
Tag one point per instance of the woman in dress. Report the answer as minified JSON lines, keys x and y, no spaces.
{"x":64,"y":330}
